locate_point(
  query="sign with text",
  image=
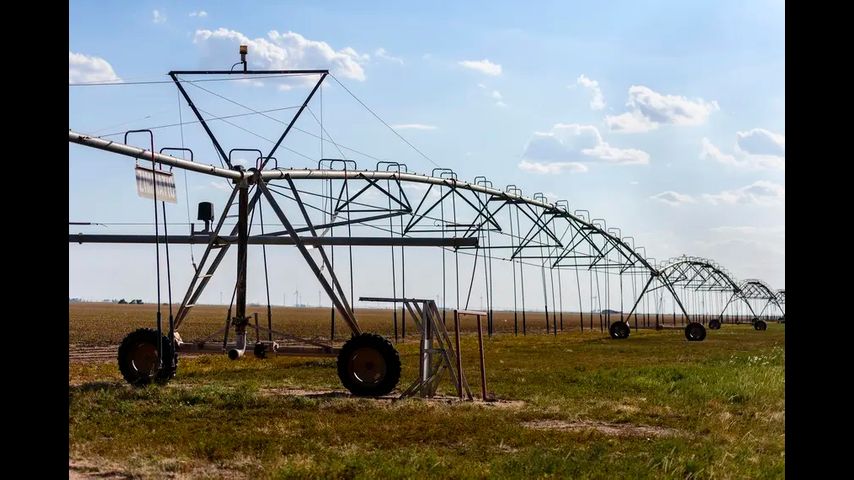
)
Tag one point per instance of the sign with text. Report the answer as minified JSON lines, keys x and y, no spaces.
{"x":146,"y":179}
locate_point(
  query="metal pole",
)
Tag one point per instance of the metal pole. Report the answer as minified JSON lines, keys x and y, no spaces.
{"x":459,"y":354}
{"x":560,"y":297}
{"x":426,"y":346}
{"x":482,"y":365}
{"x":240,"y":319}
{"x":513,"y":267}
{"x":267,"y":278}
{"x":521,"y":280}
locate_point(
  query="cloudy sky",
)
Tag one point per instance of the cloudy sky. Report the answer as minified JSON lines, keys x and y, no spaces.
{"x":666,"y":118}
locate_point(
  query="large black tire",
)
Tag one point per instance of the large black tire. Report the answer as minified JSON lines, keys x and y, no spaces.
{"x":715,"y":324}
{"x":695,"y":332}
{"x":138,"y":360}
{"x":369,"y":365}
{"x":760,"y":325}
{"x":619,"y":330}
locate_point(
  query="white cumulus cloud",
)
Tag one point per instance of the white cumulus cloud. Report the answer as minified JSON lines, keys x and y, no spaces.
{"x":757,"y":149}
{"x":200,"y":14}
{"x":630,"y":122}
{"x":673,"y":198}
{"x":544,"y":168}
{"x":158,"y":17}
{"x":648,"y":109}
{"x":493,"y":94}
{"x":598,"y":101}
{"x":759,"y":141}
{"x":382,"y":53}
{"x":84,"y":69}
{"x":711,"y":152}
{"x":287,"y":50}
{"x":483,"y":66}
{"x":749,"y":230}
{"x":761,"y":192}
{"x":413,"y":126}
{"x":579,"y":143}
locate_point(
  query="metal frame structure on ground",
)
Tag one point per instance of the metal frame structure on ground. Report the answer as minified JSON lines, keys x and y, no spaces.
{"x":393,"y":208}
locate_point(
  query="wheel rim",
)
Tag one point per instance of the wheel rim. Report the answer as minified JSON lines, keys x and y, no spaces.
{"x":367,"y":366}
{"x":143,"y":359}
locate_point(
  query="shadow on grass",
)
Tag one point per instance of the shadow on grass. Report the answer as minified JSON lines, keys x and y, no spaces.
{"x":97,"y":387}
{"x":329,"y":395}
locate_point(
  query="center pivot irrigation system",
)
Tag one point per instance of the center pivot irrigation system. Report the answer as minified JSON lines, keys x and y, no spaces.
{"x":338,"y":205}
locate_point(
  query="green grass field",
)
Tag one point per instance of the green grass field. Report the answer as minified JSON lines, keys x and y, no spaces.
{"x":578,"y":405}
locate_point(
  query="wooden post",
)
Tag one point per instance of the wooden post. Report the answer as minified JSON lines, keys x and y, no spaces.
{"x":482,"y":366}
{"x":459,"y":354}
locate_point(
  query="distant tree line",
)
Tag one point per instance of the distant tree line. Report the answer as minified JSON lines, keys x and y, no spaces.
{"x":122,"y":301}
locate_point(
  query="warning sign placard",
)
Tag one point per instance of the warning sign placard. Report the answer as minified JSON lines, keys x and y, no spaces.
{"x":146,"y":179}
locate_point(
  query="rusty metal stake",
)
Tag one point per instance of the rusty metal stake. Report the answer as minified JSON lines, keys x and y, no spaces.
{"x":482,"y":366}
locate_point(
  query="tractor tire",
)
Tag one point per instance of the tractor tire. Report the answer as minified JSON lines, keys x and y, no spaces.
{"x":695,"y":332}
{"x":714,"y":324}
{"x":369,"y":365}
{"x":138,"y":359}
{"x":760,"y":325}
{"x":619,"y":330}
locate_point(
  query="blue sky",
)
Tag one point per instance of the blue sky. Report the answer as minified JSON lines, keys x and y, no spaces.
{"x":665,"y":118}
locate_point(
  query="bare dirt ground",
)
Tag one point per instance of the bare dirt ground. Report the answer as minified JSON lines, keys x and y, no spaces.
{"x":610,"y":429}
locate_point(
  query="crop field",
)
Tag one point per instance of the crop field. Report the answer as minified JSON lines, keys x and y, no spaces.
{"x":107,"y":323}
{"x":574,"y":405}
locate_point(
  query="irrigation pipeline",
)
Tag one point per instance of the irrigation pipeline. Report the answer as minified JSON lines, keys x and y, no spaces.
{"x":529,"y":235}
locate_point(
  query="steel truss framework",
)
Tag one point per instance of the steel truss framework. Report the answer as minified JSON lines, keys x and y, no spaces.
{"x":765,"y":297}
{"x":393,"y":207}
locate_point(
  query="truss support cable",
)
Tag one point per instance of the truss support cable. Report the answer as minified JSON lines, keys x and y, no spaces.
{"x":560,"y":296}
{"x":393,"y":271}
{"x":456,"y":251}
{"x":402,"y":271}
{"x":266,"y":275}
{"x":168,"y":274}
{"x":543,"y":277}
{"x":473,"y":272}
{"x":578,"y":284}
{"x":513,"y":267}
{"x":444,"y":274}
{"x":186,"y":173}
{"x":522,"y":282}
{"x":490,"y":295}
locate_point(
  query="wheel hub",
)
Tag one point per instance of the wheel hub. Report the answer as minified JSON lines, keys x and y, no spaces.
{"x":367,"y":366}
{"x":144,"y":358}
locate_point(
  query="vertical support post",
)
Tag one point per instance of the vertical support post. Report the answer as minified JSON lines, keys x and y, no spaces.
{"x":426,"y":345}
{"x":240,"y":319}
{"x":269,"y":323}
{"x":482,"y":365}
{"x":227,"y":327}
{"x":257,"y":328}
{"x":459,"y":354}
